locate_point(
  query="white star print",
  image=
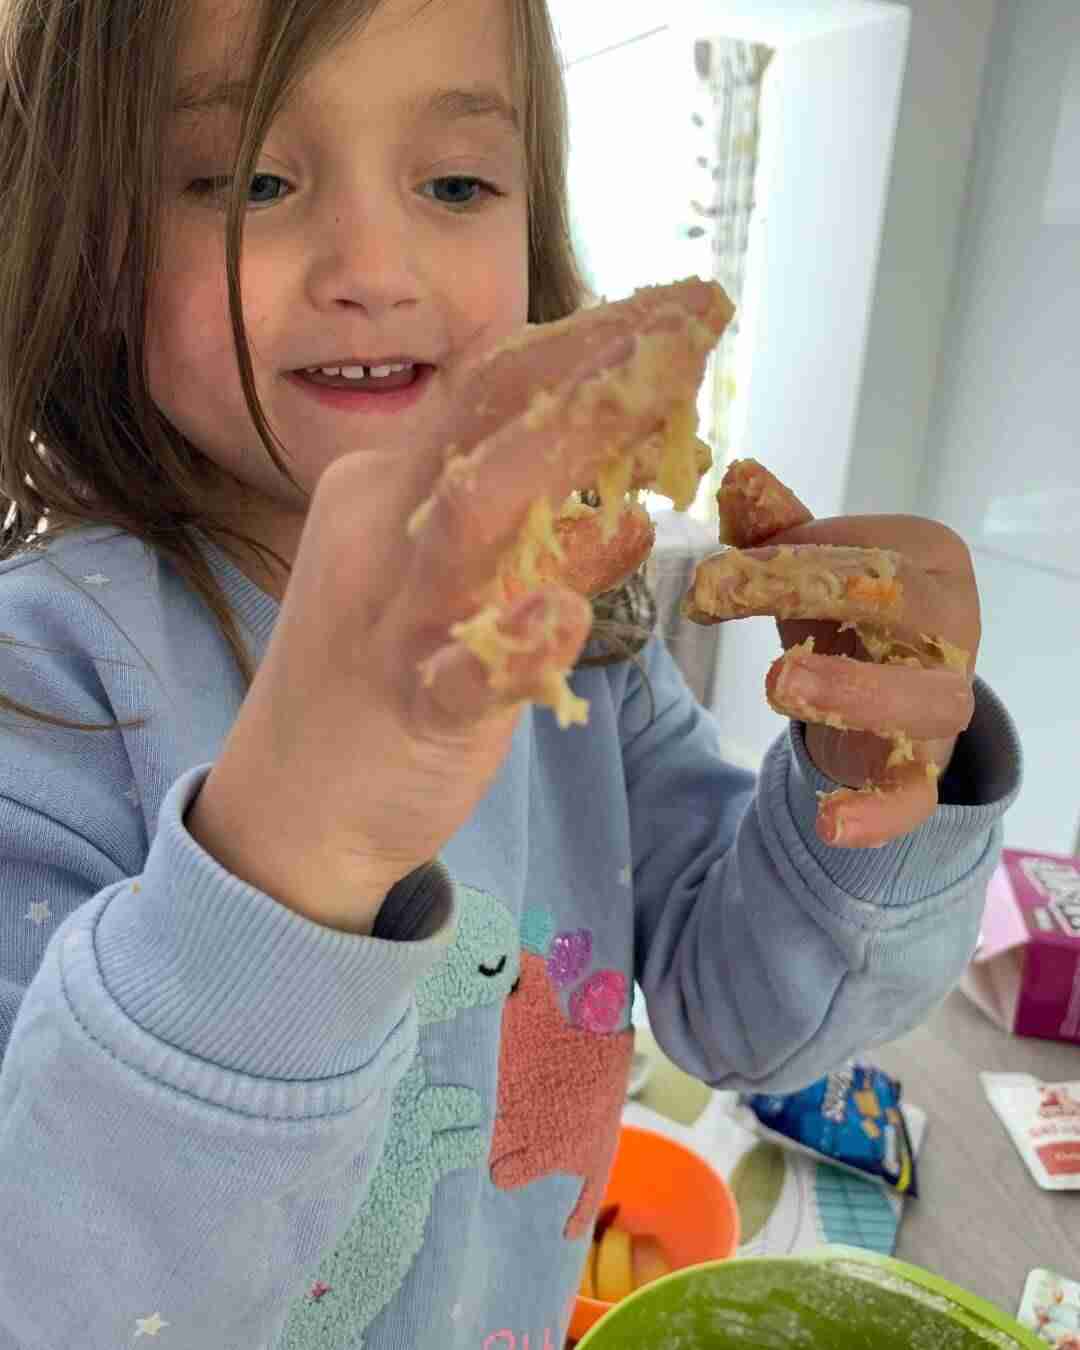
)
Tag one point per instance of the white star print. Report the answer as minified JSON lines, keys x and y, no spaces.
{"x":149,"y":1325}
{"x":625,"y":876}
{"x":96,"y":579}
{"x":39,"y":912}
{"x":456,"y":1311}
{"x":132,"y":794}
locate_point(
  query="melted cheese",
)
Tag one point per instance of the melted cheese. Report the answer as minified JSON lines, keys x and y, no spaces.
{"x":903,"y":750}
{"x":679,"y":473}
{"x":537,"y":538}
{"x":929,"y":652}
{"x":677,"y":477}
{"x":792,"y":585}
{"x":482,"y":636}
{"x":612,"y":483}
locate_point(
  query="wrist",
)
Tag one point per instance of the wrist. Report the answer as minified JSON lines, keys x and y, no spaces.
{"x":276,"y":864}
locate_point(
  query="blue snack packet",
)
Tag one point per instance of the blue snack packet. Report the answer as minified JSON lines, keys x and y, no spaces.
{"x":851,"y":1118}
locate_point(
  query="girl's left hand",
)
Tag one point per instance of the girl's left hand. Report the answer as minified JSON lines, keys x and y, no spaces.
{"x":930,"y":705}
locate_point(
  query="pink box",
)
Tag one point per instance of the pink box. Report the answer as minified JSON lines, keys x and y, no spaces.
{"x":1025,"y":974}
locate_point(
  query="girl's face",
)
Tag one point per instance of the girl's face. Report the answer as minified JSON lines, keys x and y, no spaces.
{"x":387,"y":220}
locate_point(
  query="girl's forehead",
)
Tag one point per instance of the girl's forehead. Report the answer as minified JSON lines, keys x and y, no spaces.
{"x":415,"y":64}
{"x":220,"y":35}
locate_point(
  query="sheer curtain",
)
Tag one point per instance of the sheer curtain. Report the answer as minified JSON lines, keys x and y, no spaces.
{"x":727,"y":118}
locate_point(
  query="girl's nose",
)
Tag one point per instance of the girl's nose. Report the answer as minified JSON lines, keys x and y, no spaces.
{"x":367,"y":262}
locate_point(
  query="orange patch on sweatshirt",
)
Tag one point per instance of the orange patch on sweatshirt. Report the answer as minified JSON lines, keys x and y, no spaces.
{"x":560,"y":1096}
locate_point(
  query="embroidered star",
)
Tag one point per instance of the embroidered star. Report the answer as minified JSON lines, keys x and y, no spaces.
{"x":149,"y":1325}
{"x":625,"y":876}
{"x":96,"y":579}
{"x":39,"y":912}
{"x":132,"y":794}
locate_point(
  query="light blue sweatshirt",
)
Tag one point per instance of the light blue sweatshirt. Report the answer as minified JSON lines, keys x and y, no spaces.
{"x":226,"y":1127}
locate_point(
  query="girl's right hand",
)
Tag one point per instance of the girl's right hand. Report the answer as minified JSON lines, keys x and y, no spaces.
{"x":348,"y":766}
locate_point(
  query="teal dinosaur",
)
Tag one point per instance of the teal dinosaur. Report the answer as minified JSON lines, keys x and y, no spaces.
{"x":433,"y":1129}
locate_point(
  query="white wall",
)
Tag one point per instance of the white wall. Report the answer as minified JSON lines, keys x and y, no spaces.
{"x":586,"y":29}
{"x":947,"y":55}
{"x":830,"y":127}
{"x":1004,"y":449}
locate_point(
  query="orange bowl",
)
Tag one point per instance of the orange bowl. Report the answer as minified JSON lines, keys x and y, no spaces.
{"x":667,"y":1190}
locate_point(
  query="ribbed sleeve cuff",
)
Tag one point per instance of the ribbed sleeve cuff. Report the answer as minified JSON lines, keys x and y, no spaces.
{"x":215,"y":968}
{"x":985,"y":775}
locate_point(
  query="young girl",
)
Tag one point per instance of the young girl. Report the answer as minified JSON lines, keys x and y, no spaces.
{"x":317,"y":950}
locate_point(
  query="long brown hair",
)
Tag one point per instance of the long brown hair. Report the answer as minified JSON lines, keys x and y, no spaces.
{"x":85,"y":91}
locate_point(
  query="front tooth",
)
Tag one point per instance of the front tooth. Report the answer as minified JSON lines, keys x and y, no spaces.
{"x":382,"y":371}
{"x":330,"y":370}
{"x":352,"y":372}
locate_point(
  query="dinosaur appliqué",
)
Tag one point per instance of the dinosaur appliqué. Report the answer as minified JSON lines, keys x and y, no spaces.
{"x":433,"y":1129}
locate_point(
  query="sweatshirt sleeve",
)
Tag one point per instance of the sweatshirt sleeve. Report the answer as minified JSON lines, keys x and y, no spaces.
{"x":766,"y":956}
{"x":196,"y":1081}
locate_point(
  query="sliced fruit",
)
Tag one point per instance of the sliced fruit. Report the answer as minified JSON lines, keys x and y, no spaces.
{"x":649,"y":1261}
{"x":604,"y":1220}
{"x":588,"y":1275}
{"x":614,"y":1266}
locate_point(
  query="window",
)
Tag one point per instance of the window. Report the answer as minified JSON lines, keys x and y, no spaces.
{"x":633,"y":173}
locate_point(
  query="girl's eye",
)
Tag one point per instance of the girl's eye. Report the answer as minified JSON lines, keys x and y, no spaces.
{"x":460,"y":191}
{"x":213,"y":187}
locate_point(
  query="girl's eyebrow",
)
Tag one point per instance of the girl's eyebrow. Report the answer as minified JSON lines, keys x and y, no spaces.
{"x":451,"y":105}
{"x":201,"y":93}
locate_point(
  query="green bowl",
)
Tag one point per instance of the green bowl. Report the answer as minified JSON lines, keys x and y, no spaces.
{"x":835,"y":1298}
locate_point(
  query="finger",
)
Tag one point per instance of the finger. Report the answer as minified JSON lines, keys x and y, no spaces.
{"x":855,"y":758}
{"x":527,"y":651}
{"x":939,"y":548}
{"x":482,"y":500}
{"x":501,"y":385}
{"x":871,"y":817}
{"x":753,"y":505}
{"x":890,"y":600}
{"x":851,"y":695}
{"x":585,"y":561}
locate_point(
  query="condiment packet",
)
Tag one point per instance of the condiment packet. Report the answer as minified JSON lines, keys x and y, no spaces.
{"x":851,"y":1118}
{"x":1043,"y":1120}
{"x":1051,"y":1306}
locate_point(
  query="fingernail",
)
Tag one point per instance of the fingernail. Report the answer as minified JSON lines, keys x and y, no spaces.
{"x":797,"y":683}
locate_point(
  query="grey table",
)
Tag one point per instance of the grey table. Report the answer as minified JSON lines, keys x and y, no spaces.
{"x":979,"y":1220}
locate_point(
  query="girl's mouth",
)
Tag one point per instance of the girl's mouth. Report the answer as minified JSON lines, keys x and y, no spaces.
{"x":369,"y":393}
{"x":376,"y":383}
